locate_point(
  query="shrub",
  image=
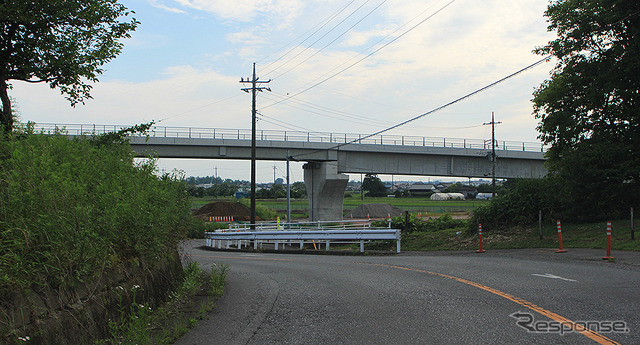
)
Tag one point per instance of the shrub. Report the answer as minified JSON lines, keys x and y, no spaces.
{"x":263,"y":212}
{"x":418,"y":225}
{"x":72,"y":207}
{"x":519,"y":204}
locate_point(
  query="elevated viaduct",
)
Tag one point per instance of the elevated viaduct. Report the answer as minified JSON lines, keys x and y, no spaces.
{"x":330,"y":156}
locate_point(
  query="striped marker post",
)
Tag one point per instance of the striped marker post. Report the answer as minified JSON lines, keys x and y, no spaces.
{"x":561,"y":250}
{"x":480,"y":238}
{"x":608,"y":257}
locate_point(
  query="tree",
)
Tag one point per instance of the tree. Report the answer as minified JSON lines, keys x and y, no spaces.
{"x":373,"y":185}
{"x":298,"y":190}
{"x":589,"y":110}
{"x":62,"y":43}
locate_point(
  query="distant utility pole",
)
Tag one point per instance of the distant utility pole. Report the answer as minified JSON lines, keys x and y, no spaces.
{"x":493,"y":124}
{"x":274,"y":174}
{"x":254,"y":82}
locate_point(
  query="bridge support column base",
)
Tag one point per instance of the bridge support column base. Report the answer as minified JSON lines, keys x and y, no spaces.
{"x":325,"y":189}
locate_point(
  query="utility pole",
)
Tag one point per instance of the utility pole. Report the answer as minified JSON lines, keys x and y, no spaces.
{"x":254,"y":88}
{"x":288,"y":194}
{"x":493,"y":124}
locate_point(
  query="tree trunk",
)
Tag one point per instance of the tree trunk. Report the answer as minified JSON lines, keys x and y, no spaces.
{"x":6,"y":117}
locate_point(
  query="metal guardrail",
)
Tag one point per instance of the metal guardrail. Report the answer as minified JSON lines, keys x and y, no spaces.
{"x":296,"y":136}
{"x":316,"y":232}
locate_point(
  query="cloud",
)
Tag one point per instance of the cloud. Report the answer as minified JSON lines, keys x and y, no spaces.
{"x":156,"y":4}
{"x":246,"y":10}
{"x":184,"y":95}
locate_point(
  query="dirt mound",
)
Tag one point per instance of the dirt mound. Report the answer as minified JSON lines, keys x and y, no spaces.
{"x":375,"y":211}
{"x":236,"y":210}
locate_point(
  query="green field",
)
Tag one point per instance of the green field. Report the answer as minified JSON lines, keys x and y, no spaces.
{"x":574,"y":235}
{"x":405,"y":204}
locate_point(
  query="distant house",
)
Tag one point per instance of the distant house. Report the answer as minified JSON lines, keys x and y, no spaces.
{"x":443,"y":186}
{"x":418,"y":188}
{"x":468,"y":192}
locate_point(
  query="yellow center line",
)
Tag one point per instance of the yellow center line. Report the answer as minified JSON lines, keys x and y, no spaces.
{"x":599,"y":338}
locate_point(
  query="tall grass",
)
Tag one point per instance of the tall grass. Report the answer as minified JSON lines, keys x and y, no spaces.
{"x":71,"y":208}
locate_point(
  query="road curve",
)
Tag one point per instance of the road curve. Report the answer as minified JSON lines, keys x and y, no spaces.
{"x":435,"y":298}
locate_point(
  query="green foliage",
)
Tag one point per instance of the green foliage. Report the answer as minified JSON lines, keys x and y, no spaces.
{"x":218,"y":278}
{"x":430,"y":225}
{"x":60,"y":42}
{"x":132,"y":324}
{"x":71,"y":208}
{"x":454,"y":188}
{"x":197,"y":228}
{"x":263,"y":212}
{"x":589,"y":109}
{"x":276,"y":191}
{"x":140,"y":324}
{"x":298,"y":190}
{"x":374,"y":186}
{"x":519,"y":204}
{"x":120,"y":137}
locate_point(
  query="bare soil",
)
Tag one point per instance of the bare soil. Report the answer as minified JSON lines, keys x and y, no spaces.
{"x":236,"y":210}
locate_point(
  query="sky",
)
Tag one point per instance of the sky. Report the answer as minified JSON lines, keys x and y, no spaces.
{"x":348,"y":66}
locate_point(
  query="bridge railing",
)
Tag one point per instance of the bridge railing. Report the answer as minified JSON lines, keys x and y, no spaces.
{"x":297,"y":136}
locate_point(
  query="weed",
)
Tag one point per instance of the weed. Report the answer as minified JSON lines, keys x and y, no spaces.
{"x":218,"y":279}
{"x":136,"y":321}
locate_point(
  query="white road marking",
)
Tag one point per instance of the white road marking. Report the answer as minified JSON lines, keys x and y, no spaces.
{"x":549,"y":275}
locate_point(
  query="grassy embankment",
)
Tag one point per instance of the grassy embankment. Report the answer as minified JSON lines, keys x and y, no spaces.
{"x":574,"y":236}
{"x":87,"y":235}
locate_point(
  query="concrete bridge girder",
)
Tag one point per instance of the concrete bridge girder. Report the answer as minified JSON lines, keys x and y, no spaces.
{"x":438,"y":165}
{"x":324,"y":174}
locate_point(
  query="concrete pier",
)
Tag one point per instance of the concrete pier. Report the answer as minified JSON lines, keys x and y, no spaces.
{"x":325,"y":188}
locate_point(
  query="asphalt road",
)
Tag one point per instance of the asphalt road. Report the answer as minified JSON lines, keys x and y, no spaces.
{"x":433,"y":298}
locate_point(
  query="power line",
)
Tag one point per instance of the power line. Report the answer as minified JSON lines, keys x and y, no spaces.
{"x":326,"y":21}
{"x":198,"y":108}
{"x":363,"y":58}
{"x":545,"y":59}
{"x":321,"y":37}
{"x":335,"y":39}
{"x":340,"y":113}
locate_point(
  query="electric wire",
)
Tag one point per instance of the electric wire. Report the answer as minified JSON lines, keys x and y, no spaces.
{"x":363,"y":58}
{"x":198,"y":108}
{"x":332,"y":41}
{"x":366,"y":49}
{"x":326,"y":21}
{"x":457,"y":100}
{"x":357,"y":117}
{"x":284,"y":124}
{"x":329,"y":110}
